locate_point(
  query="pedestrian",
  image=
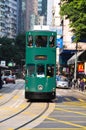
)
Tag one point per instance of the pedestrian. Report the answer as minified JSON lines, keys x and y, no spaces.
{"x":73,"y":83}
{"x":78,"y":83}
{"x":82,"y":85}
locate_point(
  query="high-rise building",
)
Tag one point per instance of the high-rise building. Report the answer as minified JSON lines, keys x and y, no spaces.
{"x":21,"y":19}
{"x":49,"y":12}
{"x":23,"y":16}
{"x":19,"y":16}
{"x":31,"y":13}
{"x":8,"y":18}
{"x":42,"y":11}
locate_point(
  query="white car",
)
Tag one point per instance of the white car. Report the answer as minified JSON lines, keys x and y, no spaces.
{"x":62,"y":82}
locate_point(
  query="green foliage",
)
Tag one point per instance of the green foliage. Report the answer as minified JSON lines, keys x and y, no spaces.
{"x":6,"y":48}
{"x":20,"y":44}
{"x":12,"y":49}
{"x":75,"y":11}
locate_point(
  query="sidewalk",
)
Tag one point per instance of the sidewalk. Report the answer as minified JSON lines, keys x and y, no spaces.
{"x":76,"y":89}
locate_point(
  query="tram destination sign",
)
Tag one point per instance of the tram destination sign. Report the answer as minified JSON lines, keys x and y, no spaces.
{"x":40,"y":57}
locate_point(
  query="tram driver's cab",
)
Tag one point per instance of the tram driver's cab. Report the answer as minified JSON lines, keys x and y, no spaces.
{"x":50,"y":71}
{"x":41,"y":70}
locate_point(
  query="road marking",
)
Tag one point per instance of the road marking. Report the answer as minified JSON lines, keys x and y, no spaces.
{"x":22,"y":106}
{"x":68,"y":99}
{"x":80,"y":113}
{"x":49,"y":129}
{"x":17,"y":103}
{"x":16,"y":97}
{"x":81,"y":100}
{"x":66,"y":122}
{"x":1,"y":97}
{"x":75,"y":104}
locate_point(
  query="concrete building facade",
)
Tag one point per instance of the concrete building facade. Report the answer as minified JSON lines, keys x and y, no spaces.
{"x":31,"y":13}
{"x":42,"y":11}
{"x":8,"y":18}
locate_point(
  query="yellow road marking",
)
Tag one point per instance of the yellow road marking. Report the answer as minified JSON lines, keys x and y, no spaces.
{"x":55,"y":129}
{"x":66,"y":122}
{"x":75,"y":104}
{"x":16,"y":97}
{"x":80,"y":113}
{"x":81,"y":100}
{"x":50,"y":129}
{"x":68,"y":99}
{"x":22,"y":106}
{"x":1,"y":96}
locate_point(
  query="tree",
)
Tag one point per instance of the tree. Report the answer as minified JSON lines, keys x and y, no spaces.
{"x":6,"y":49}
{"x":12,"y":49}
{"x":75,"y":11}
{"x":20,"y":48}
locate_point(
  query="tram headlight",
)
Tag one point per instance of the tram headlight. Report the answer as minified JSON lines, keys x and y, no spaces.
{"x":53,"y":89}
{"x":26,"y":88}
{"x":40,"y":87}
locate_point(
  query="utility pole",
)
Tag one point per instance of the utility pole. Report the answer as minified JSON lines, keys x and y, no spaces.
{"x":75,"y":70}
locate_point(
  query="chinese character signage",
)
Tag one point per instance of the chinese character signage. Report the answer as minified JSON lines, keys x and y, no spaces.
{"x":81,"y":67}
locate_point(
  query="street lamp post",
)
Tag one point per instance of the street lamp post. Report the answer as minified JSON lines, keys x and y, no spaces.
{"x":75,"y":70}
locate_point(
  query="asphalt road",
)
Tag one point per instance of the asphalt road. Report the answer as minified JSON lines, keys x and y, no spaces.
{"x":69,"y":112}
{"x":66,"y":112}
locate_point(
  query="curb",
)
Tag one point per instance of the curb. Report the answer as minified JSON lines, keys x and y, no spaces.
{"x":84,"y":92}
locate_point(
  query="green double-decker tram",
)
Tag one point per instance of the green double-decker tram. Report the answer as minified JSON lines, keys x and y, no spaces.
{"x":40,"y":78}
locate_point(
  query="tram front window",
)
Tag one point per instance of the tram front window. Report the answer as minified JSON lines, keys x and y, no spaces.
{"x":31,"y":70}
{"x":50,"y":70}
{"x":41,"y":41}
{"x":51,"y":41}
{"x":40,"y":71}
{"x":30,"y":41}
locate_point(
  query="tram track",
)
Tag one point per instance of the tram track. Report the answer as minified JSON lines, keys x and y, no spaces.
{"x":16,"y":114}
{"x":25,"y":122}
{"x":8,"y":99}
{"x":35,"y":118}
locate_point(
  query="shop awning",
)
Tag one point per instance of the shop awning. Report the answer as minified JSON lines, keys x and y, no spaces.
{"x":72,"y":59}
{"x":3,"y":67}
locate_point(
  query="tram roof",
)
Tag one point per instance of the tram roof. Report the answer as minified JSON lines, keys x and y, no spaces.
{"x":42,"y":32}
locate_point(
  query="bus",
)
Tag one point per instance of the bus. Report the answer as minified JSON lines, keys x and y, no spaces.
{"x":40,"y":63}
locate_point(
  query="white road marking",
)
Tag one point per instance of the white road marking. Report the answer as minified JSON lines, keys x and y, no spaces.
{"x":17,"y":103}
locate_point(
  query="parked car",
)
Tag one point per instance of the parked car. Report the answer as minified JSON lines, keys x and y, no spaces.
{"x":3,"y":77}
{"x":62,"y":82}
{"x":10,"y":79}
{"x":5,"y":74}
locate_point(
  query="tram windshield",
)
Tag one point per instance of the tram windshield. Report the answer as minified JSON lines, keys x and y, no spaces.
{"x":31,"y":70}
{"x":50,"y":70}
{"x":41,"y":41}
{"x":30,"y":41}
{"x":51,"y":41}
{"x":40,"y":70}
